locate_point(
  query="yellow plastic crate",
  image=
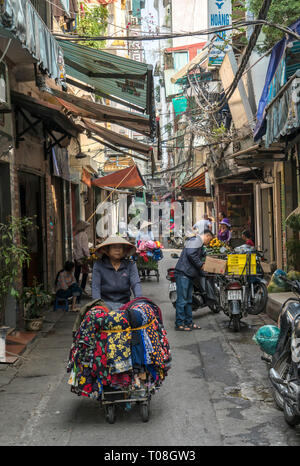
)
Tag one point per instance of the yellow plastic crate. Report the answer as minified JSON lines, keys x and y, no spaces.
{"x":236,"y":264}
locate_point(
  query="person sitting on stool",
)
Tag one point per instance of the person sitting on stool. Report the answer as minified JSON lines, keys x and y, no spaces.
{"x":66,"y":285}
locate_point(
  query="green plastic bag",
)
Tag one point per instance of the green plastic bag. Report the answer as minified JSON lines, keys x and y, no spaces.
{"x":267,"y":338}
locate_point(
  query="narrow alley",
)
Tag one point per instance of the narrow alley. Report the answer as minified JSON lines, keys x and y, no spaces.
{"x":217,"y":391}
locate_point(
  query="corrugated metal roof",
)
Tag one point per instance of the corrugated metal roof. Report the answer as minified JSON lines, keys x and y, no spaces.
{"x":49,"y":113}
{"x":110,"y":74}
{"x":86,"y":108}
{"x":118,"y":139}
{"x":19,"y":20}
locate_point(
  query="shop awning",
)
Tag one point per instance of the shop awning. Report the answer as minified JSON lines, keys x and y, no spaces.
{"x":111,"y":75}
{"x":128,"y":178}
{"x":96,"y":111}
{"x":116,"y":139}
{"x":196,"y":183}
{"x":49,"y":114}
{"x":19,"y":20}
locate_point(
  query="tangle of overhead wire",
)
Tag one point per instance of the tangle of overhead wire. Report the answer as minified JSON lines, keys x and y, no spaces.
{"x":204,"y":32}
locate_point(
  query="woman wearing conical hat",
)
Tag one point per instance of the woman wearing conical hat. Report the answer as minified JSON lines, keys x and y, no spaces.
{"x":144,"y":234}
{"x":114,"y":275}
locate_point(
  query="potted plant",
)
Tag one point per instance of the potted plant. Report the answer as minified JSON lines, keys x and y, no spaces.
{"x":35,"y":300}
{"x":14,"y":255}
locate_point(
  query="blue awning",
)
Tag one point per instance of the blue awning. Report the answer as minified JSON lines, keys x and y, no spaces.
{"x":275,"y":59}
{"x":19,"y":20}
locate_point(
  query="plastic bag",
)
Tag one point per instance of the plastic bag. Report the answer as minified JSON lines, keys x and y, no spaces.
{"x":277,"y":284}
{"x":267,"y":338}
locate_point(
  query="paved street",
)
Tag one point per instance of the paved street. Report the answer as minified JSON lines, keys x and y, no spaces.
{"x":217,"y":392}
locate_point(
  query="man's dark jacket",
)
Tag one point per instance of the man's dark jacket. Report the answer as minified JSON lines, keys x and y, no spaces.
{"x":192,"y":258}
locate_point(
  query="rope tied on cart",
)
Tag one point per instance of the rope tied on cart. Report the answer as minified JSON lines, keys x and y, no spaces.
{"x":129,"y":329}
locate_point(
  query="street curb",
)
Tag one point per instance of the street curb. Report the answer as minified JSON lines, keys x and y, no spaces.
{"x":273,"y":309}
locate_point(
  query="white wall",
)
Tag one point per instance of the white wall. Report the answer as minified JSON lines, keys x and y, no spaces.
{"x":154,"y":19}
{"x":189,"y":16}
{"x":258,"y":73}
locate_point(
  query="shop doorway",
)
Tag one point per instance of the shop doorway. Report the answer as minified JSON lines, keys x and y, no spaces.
{"x":267,"y":225}
{"x":240,"y":210}
{"x":32,"y":204}
{"x":59,"y":223}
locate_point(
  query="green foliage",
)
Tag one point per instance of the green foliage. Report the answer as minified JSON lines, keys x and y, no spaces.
{"x":293,"y":245}
{"x":35,"y":299}
{"x":93,"y":23}
{"x":283,"y":13}
{"x":218,"y":132}
{"x":294,"y":222}
{"x":13,"y":256}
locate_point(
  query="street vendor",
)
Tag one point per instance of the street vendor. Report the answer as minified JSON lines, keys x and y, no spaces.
{"x":144,"y":234}
{"x":246,"y":236}
{"x":224,"y":233}
{"x":114,"y":276}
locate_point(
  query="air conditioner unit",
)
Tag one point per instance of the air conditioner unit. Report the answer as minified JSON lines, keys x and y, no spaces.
{"x":4,"y":89}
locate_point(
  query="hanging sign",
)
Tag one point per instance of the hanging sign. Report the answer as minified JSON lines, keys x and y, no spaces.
{"x":219,"y":14}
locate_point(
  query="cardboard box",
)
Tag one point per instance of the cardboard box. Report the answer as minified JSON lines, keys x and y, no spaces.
{"x":213,"y":265}
{"x":266,"y":267}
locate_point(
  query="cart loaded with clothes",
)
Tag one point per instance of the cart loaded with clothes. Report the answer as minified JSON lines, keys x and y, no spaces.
{"x":120,"y":357}
{"x":148,"y":254}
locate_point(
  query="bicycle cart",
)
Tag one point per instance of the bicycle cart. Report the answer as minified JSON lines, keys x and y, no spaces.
{"x":126,"y":398}
{"x":147,"y":269}
{"x":120,"y":358}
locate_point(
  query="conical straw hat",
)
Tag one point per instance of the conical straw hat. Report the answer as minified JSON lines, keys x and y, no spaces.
{"x":145,"y":224}
{"x":114,"y":239}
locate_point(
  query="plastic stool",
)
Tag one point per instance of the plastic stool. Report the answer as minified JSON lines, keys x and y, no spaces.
{"x":64,"y":305}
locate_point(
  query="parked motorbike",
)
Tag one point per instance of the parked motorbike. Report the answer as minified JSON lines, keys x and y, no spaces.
{"x":242,"y":295}
{"x":203,"y":293}
{"x":284,"y":373}
{"x":176,"y":242}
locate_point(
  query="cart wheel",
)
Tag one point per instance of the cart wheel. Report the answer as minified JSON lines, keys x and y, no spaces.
{"x":111,"y":414}
{"x":157,"y":276}
{"x":145,"y":411}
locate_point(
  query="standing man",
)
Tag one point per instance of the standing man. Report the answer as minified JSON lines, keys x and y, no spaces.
{"x":188,"y":267}
{"x":203,"y":224}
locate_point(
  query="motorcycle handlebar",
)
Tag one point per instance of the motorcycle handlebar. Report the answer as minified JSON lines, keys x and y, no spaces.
{"x":295,"y":284}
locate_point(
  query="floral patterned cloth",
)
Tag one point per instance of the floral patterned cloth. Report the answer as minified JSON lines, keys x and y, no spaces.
{"x":118,"y":351}
{"x":101,"y":353}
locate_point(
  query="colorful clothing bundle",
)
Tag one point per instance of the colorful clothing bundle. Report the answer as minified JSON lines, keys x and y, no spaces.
{"x":108,"y":352}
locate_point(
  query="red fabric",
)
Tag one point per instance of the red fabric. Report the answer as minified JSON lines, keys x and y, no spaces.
{"x":249,"y":242}
{"x":127,"y":178}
